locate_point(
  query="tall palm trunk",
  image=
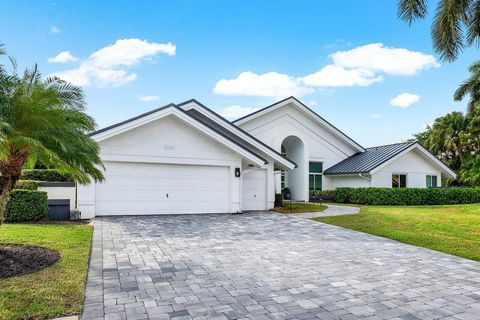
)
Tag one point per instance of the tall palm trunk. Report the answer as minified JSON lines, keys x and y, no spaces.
{"x":10,"y":171}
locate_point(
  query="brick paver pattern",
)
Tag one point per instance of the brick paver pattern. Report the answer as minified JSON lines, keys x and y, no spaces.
{"x":268,"y":266}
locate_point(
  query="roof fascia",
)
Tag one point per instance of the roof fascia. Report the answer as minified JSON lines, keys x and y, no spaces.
{"x":309,"y":112}
{"x":193,"y":104}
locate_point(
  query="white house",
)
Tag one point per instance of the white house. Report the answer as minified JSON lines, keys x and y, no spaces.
{"x":185,"y":158}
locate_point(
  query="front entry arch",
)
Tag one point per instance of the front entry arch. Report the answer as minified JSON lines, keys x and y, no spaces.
{"x":295,"y":180}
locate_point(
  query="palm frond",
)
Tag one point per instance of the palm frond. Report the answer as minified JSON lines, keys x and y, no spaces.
{"x":473,"y":27}
{"x":410,"y":10}
{"x":447,"y":28}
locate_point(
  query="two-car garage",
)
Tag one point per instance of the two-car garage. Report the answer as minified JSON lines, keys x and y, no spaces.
{"x":141,"y":189}
{"x":168,"y":161}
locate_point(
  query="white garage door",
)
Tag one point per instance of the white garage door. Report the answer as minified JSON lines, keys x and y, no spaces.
{"x":254,"y":190}
{"x":142,"y":189}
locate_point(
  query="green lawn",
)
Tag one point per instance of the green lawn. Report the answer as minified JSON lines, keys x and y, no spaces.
{"x":300,"y":207}
{"x":453,"y":229}
{"x":56,"y":290}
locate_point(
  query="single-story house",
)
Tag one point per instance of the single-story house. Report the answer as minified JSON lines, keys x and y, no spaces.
{"x":185,"y":158}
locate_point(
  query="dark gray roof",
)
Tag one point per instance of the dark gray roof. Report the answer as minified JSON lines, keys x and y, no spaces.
{"x":227,"y":133}
{"x":364,"y":162}
{"x":307,"y":108}
{"x":207,"y":122}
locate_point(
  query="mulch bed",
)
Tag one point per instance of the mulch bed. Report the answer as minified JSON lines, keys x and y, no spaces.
{"x":17,"y":260}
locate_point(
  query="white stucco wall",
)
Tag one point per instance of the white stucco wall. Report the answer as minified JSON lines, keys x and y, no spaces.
{"x":413,"y":164}
{"x":167,"y":140}
{"x":60,"y":193}
{"x":320,"y":144}
{"x":349,"y":181}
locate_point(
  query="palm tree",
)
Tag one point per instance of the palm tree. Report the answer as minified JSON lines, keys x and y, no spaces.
{"x":447,"y":137}
{"x":44,"y":119}
{"x":470,"y":87}
{"x":456,"y":23}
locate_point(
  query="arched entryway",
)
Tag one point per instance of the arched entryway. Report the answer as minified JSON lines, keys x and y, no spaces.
{"x":294,"y":148}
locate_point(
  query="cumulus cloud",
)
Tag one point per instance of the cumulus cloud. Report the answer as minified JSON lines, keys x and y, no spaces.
{"x":337,"y":76}
{"x":378,"y":57}
{"x":235,"y":111}
{"x":107,"y":66}
{"x":270,"y":84}
{"x":63,"y":57}
{"x":148,"y":98}
{"x":361,"y":66}
{"x":404,"y":100}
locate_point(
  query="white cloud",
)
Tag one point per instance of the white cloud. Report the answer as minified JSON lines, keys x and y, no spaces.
{"x":376,"y":116}
{"x":54,"y":29}
{"x":336,"y":76}
{"x":235,"y":111}
{"x":404,"y":100}
{"x":63,"y":57}
{"x":148,"y":98}
{"x":361,"y":66}
{"x":129,"y":52}
{"x":270,"y":84}
{"x":106,"y":66}
{"x":378,"y":57}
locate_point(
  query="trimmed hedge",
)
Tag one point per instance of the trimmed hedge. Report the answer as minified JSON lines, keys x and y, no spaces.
{"x":26,"y":205}
{"x":26,"y":185}
{"x":321,"y":195}
{"x":407,"y":196}
{"x":45,"y":175}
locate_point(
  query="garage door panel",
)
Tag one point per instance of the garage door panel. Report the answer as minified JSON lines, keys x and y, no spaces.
{"x":139,"y":188}
{"x":254,"y":190}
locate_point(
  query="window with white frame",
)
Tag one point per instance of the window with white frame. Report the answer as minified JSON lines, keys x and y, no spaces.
{"x":399,"y":180}
{"x":315,"y":174}
{"x":431,"y":181}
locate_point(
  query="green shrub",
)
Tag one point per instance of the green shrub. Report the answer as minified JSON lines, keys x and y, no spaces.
{"x":26,"y":185}
{"x":407,"y":196}
{"x":321,"y":195}
{"x":26,"y":205}
{"x":278,"y":200}
{"x":45,"y":175}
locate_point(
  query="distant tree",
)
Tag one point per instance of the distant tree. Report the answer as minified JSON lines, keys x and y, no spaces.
{"x":456,"y":23}
{"x":470,"y":87}
{"x":43,"y":120}
{"x":455,"y":139}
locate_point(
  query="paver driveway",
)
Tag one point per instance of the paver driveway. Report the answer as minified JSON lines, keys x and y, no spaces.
{"x":268,"y":266}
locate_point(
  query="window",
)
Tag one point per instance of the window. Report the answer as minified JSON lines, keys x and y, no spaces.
{"x":399,"y":180}
{"x":431,"y":181}
{"x":315,"y":175}
{"x":282,"y":175}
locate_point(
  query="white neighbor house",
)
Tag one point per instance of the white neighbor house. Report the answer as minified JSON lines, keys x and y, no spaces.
{"x":185,"y":158}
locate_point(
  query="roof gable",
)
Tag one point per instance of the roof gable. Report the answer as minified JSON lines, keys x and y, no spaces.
{"x":364,"y":162}
{"x":309,"y":112}
{"x":172,"y":109}
{"x":204,"y":114}
{"x":375,"y":158}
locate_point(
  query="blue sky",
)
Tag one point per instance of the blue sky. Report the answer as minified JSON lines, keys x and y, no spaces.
{"x":345,"y":59}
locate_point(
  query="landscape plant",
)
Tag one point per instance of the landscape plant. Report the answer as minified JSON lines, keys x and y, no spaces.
{"x":44,"y":119}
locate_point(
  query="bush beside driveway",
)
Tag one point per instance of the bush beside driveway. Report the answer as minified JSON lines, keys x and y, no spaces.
{"x":56,"y":290}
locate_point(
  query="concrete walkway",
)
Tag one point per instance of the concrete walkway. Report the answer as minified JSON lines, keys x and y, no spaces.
{"x":332,"y":210}
{"x":270,"y":267}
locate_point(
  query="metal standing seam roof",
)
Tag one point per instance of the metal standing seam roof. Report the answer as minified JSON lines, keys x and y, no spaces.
{"x":364,"y":162}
